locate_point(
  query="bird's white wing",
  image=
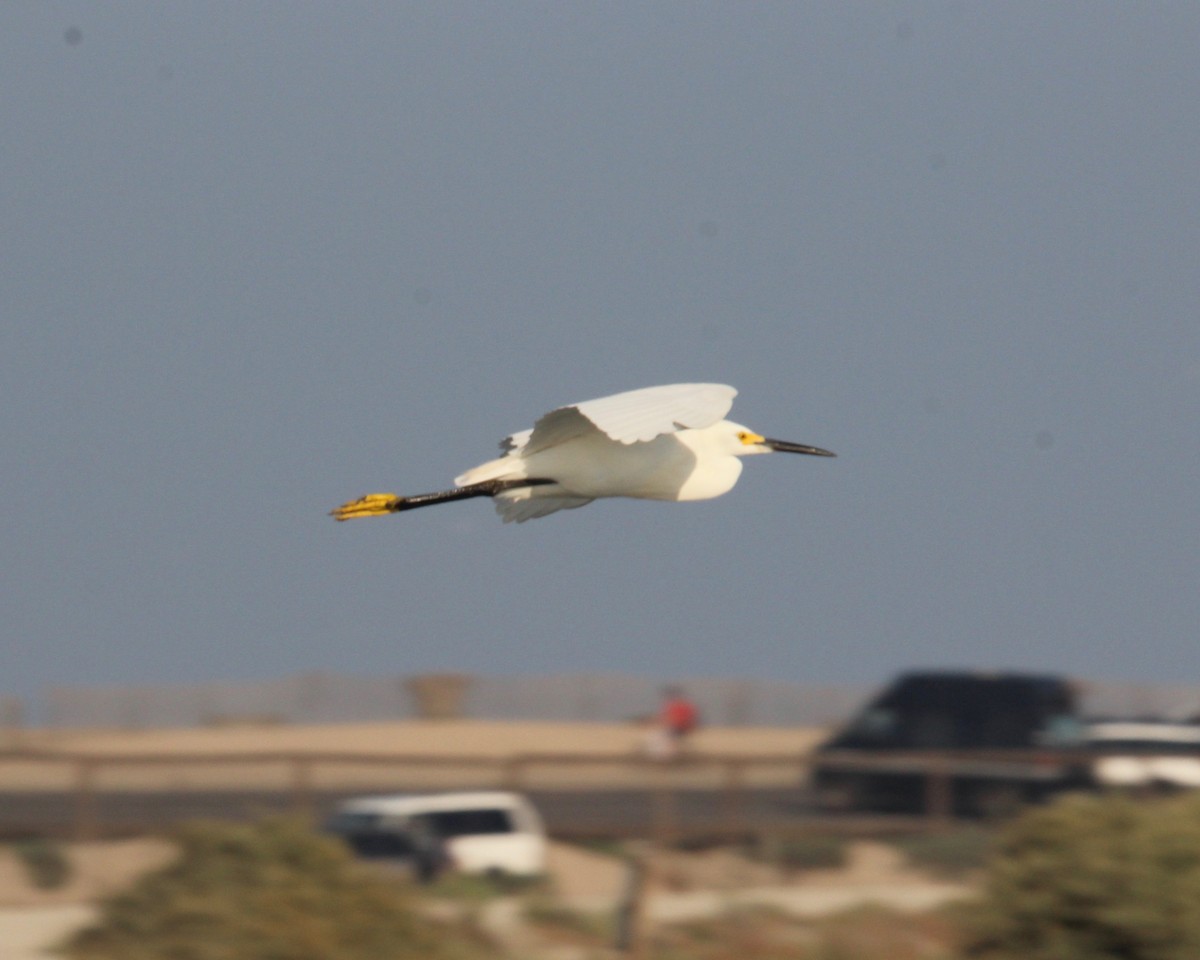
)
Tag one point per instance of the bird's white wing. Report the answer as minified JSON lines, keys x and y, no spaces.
{"x":515,"y":443}
{"x":631,"y":417}
{"x":517,"y":509}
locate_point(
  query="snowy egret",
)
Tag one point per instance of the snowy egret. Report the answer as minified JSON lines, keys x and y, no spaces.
{"x":659,"y":443}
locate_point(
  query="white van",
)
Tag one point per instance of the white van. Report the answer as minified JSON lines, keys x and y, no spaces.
{"x":1158,"y":754}
{"x":483,"y":832}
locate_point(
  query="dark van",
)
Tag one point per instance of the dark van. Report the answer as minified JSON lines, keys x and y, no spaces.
{"x":964,"y":743}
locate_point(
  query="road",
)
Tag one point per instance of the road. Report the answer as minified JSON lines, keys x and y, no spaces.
{"x":612,"y":813}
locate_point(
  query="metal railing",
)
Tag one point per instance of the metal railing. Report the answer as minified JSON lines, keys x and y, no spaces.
{"x":84,"y":795}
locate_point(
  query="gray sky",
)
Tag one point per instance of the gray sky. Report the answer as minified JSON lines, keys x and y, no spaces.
{"x":258,"y":259}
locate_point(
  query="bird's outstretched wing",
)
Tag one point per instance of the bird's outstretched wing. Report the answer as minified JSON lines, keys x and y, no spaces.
{"x":516,"y":509}
{"x":631,"y":417}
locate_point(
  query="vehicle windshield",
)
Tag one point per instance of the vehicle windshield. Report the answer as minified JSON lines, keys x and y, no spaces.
{"x":1062,"y":730}
{"x":347,"y":822}
{"x":461,"y":823}
{"x":934,"y":712}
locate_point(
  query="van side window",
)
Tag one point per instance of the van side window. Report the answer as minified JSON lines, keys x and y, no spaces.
{"x":380,"y":844}
{"x":459,"y":823}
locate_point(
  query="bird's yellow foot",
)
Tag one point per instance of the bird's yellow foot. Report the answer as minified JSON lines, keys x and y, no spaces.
{"x":371,"y":505}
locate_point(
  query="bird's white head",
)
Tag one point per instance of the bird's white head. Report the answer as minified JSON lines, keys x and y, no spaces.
{"x":743,"y":442}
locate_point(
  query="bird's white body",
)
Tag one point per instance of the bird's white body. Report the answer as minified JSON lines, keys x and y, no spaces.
{"x":658,"y":443}
{"x":685,"y":465}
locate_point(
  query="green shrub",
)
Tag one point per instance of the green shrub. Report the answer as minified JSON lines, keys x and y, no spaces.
{"x":578,"y":925}
{"x":45,"y":863}
{"x":606,"y":847}
{"x":1093,"y":878}
{"x":866,"y":933}
{"x":949,"y":853}
{"x":481,"y":887}
{"x":273,"y":891}
{"x":804,"y":851}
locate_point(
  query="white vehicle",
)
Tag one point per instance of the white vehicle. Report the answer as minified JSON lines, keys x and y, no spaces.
{"x":490,"y":832}
{"x":1146,"y":753}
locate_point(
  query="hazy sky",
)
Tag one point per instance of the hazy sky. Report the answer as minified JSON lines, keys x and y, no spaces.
{"x":260,"y":258}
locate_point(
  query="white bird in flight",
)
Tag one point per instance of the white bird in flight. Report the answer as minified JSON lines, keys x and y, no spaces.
{"x":658,"y":443}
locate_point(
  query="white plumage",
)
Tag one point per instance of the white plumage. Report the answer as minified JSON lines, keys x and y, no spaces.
{"x":658,"y":443}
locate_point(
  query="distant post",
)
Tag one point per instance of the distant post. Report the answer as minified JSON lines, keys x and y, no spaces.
{"x":12,"y":715}
{"x":85,"y":800}
{"x":439,"y":696}
{"x":302,"y":798}
{"x":939,"y":791}
{"x":630,"y":926}
{"x":733,"y":796}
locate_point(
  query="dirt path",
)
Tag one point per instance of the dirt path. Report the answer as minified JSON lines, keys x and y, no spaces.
{"x":28,"y":933}
{"x":685,"y":887}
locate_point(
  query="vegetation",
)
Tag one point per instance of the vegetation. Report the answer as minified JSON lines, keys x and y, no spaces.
{"x":870,"y":933}
{"x":1093,"y":878}
{"x":606,"y":847}
{"x":572,"y":926}
{"x":814,"y":853}
{"x":272,"y":891}
{"x":478,"y":888}
{"x":45,"y":862}
{"x":1088,"y":878}
{"x":803,"y":851}
{"x":874,"y":933}
{"x":951,"y":853}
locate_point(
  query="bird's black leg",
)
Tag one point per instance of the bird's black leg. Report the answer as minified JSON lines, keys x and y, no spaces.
{"x":377,"y":504}
{"x":486,"y":488}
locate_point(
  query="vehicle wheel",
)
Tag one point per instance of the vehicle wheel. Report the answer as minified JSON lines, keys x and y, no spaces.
{"x":1162,"y":788}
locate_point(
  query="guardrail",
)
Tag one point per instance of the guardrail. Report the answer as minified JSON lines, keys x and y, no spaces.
{"x":81,"y":794}
{"x":84,"y":795}
{"x":1040,"y":772}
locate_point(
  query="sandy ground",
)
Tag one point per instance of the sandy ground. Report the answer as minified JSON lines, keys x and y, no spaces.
{"x":681,"y":886}
{"x":98,"y":869}
{"x":719,"y":881}
{"x":29,"y":933}
{"x":688,"y":886}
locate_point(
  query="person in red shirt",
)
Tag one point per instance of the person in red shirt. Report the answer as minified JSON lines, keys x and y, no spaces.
{"x":678,"y":717}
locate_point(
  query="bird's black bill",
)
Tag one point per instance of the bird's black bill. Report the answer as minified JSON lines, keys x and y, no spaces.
{"x":783,"y":446}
